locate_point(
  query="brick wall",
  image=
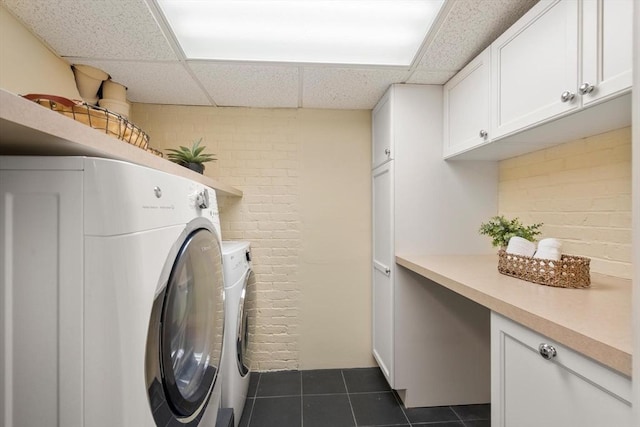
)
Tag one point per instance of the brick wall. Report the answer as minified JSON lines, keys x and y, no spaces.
{"x":265,"y":153}
{"x":581,"y":191}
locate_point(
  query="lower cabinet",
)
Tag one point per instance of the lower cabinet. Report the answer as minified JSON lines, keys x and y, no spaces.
{"x":538,"y":382}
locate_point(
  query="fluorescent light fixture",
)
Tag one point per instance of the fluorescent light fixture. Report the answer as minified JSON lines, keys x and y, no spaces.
{"x":374,"y":32}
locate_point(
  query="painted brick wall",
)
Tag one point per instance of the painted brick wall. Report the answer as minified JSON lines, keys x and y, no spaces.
{"x":261,"y":152}
{"x":581,"y":191}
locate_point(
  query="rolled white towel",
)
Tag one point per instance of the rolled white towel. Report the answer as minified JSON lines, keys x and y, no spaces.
{"x":519,"y":246}
{"x":549,"y":249}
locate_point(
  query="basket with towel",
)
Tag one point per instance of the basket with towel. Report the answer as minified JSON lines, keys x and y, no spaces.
{"x":545,"y":265}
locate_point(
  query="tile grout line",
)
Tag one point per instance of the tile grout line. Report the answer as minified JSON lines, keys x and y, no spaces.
{"x":458,"y":415}
{"x":353,"y":414}
{"x":301,"y":401}
{"x":255,"y":396}
{"x":397,"y":398}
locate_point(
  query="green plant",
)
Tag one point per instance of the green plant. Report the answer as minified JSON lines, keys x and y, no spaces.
{"x":501,"y":230}
{"x":185,"y":155}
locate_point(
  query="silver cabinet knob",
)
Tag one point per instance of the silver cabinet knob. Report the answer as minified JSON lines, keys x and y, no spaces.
{"x":567,"y":96}
{"x":547,"y":351}
{"x":387,"y":270}
{"x":586,"y":88}
{"x":387,"y":151}
{"x":484,"y":133}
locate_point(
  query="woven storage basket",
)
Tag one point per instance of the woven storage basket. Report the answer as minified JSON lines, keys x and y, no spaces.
{"x":569,"y":272}
{"x":96,"y":117}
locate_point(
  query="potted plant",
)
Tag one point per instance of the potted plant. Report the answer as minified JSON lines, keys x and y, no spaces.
{"x":192,"y":158}
{"x":501,"y":230}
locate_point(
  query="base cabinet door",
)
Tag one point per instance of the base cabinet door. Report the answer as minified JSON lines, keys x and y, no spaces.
{"x":383,"y":262}
{"x":41,"y":294}
{"x":566,"y":389}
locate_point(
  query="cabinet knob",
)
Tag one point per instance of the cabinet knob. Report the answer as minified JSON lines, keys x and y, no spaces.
{"x":567,"y":96}
{"x":387,"y":270}
{"x":484,"y":133}
{"x":387,"y":151}
{"x":547,"y":351}
{"x":586,"y":88}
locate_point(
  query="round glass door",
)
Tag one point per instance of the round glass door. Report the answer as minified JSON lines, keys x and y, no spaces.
{"x":246,"y":324}
{"x":191,"y":324}
{"x":242,"y":335}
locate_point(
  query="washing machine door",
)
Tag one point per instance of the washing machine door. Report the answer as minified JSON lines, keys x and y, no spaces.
{"x":184,"y":345}
{"x":246,"y":313}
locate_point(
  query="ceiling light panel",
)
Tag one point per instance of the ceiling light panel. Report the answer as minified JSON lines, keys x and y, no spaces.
{"x":374,"y":32}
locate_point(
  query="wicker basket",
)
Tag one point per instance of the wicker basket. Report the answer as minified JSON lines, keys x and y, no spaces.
{"x":154,"y":151}
{"x":98,"y":118}
{"x":569,"y":272}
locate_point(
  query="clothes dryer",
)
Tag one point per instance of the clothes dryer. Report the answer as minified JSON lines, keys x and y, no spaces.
{"x":112,"y":295}
{"x":238,"y":283}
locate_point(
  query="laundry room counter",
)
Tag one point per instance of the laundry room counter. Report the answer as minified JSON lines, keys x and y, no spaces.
{"x":27,"y":128}
{"x":594,"y":321}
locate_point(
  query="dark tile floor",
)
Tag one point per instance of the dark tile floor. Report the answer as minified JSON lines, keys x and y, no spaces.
{"x":343,"y":398}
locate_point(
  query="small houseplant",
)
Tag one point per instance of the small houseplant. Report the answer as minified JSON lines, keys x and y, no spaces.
{"x":192,"y":158}
{"x":501,"y":230}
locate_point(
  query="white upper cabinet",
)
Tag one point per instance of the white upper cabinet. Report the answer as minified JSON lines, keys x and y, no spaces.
{"x":382,"y":150}
{"x":466,"y":106}
{"x":561,"y":72}
{"x":606,"y":48}
{"x":535,"y":67}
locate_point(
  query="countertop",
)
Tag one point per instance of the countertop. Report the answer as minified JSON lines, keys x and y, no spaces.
{"x":594,"y":321}
{"x":27,"y":128}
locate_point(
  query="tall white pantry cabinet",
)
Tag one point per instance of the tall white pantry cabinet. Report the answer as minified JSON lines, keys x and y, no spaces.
{"x":427,"y":350}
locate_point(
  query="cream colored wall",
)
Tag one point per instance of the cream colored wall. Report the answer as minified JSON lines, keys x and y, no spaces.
{"x":27,"y":66}
{"x":581,"y":191}
{"x":305,"y":175}
{"x":335,"y":262}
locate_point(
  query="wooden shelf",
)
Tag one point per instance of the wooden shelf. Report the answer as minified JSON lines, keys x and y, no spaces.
{"x":27,"y":128}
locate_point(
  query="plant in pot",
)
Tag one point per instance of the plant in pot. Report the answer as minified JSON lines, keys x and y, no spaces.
{"x":501,"y":230}
{"x":191,"y":157}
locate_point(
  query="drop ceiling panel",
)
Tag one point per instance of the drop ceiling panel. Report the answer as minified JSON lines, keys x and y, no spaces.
{"x":152,"y":82}
{"x":471,"y":26}
{"x":249,"y":85}
{"x":123,"y":38}
{"x":346,"y":88}
{"x":95,"y":29}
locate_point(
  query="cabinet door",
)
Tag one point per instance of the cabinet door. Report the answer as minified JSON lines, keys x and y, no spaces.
{"x":534,"y":63}
{"x":466,"y":106}
{"x":383,"y":274}
{"x":382,"y":131}
{"x":41,"y":299}
{"x":568,"y":390}
{"x":607,"y":48}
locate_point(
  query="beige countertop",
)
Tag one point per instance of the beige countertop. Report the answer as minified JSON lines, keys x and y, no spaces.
{"x":595,"y":321}
{"x":27,"y":128}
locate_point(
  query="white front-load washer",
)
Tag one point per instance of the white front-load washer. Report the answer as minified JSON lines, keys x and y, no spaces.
{"x":112,"y":295}
{"x":238,"y":281}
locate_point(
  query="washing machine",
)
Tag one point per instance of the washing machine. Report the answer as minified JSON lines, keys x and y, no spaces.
{"x":238,"y":283}
{"x":112,"y":295}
